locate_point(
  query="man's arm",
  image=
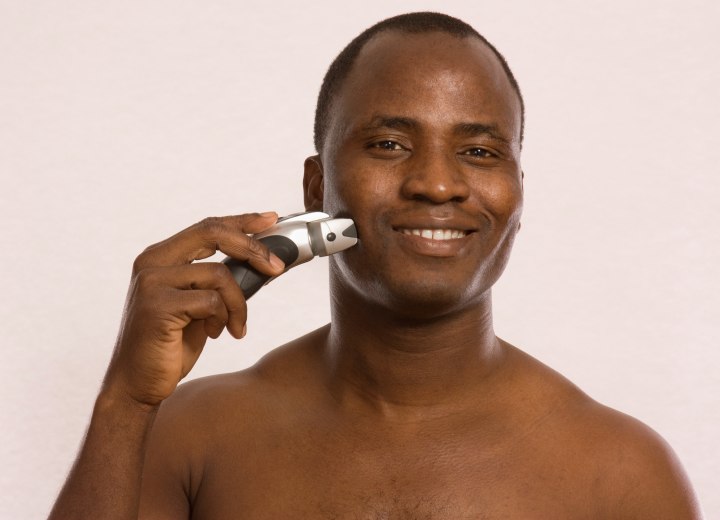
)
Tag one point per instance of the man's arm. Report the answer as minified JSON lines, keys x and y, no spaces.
{"x":173,"y":306}
{"x":105,"y":480}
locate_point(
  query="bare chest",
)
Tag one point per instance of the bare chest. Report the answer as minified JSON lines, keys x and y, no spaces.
{"x":427,"y":478}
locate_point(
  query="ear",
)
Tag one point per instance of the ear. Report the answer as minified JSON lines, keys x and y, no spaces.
{"x":313,"y":184}
{"x":522,"y":187}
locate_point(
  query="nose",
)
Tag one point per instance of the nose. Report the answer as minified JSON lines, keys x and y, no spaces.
{"x":435,"y":177}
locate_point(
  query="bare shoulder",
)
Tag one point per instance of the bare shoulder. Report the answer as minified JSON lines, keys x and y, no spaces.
{"x":259,"y":391}
{"x":633,"y":466}
{"x":218,"y":418}
{"x":644,"y":472}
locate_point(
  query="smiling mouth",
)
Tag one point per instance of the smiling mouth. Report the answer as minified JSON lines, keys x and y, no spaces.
{"x":435,"y":234}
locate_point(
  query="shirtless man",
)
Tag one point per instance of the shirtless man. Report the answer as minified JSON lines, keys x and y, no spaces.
{"x":407,"y":405}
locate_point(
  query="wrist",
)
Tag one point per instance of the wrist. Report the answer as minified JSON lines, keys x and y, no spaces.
{"x":115,"y":400}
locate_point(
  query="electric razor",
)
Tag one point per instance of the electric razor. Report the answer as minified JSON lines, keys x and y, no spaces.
{"x":296,"y":239}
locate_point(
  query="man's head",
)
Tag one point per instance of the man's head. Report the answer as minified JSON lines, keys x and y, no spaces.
{"x":421,"y":147}
{"x":417,"y":23}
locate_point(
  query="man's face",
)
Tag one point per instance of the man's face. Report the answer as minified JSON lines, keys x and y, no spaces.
{"x":423,"y":153}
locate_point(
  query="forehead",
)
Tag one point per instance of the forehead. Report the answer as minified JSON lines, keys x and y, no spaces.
{"x":435,"y":78}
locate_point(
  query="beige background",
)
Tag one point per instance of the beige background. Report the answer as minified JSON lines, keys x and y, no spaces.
{"x":122,"y":122}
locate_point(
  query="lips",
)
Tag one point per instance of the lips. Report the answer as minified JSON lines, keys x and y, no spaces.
{"x":434,"y":234}
{"x":433,"y":241}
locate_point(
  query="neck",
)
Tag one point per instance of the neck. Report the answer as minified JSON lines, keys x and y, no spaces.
{"x":401,"y":367}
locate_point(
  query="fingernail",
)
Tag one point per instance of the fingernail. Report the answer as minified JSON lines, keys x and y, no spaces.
{"x":276,"y":262}
{"x":244,"y":331}
{"x":268,"y":214}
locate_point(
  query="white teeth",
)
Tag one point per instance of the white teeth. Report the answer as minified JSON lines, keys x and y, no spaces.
{"x":435,"y":234}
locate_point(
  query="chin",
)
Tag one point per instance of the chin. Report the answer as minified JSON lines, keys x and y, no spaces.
{"x":426,"y":300}
{"x":414,"y":299}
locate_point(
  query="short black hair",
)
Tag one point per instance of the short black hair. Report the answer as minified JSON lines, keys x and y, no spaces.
{"x":418,"y":23}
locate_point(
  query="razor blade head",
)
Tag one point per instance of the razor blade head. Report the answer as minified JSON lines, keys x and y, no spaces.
{"x":332,"y":235}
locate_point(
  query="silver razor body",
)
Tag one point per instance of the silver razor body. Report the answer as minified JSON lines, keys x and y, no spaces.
{"x":296,"y":239}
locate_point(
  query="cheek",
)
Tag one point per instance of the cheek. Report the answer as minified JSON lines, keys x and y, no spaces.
{"x":503,"y":198}
{"x":355,"y":194}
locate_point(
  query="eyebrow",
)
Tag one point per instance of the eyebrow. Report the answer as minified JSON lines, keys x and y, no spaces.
{"x":461,"y":129}
{"x":473,"y":129}
{"x":398,"y":123}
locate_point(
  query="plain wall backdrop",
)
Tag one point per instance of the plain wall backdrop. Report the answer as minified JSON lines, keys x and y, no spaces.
{"x":123,"y":122}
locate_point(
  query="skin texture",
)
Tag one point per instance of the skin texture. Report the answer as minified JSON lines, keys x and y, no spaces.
{"x":406,"y":406}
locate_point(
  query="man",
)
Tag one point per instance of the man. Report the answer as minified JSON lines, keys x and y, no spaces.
{"x":407,"y":405}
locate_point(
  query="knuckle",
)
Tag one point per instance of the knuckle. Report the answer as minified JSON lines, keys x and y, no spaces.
{"x":210,"y":226}
{"x":147,"y":258}
{"x":145,"y":278}
{"x":213,"y":299}
{"x":140,"y":263}
{"x":256,"y":248}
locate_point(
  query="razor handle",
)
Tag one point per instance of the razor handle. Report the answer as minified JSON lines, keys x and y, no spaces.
{"x":295,"y":239}
{"x":250,"y":279}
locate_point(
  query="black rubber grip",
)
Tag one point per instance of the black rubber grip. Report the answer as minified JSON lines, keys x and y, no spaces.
{"x":248,"y":278}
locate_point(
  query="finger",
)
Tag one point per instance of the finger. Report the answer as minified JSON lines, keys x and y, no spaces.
{"x":226,"y":234}
{"x":202,"y":276}
{"x":196,"y":338}
{"x":215,"y":324}
{"x":202,"y":305}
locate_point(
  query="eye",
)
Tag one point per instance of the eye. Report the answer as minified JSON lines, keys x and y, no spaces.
{"x":480,"y":153}
{"x":387,"y":145}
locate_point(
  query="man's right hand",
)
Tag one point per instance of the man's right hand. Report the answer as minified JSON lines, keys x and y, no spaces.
{"x":174,"y":305}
